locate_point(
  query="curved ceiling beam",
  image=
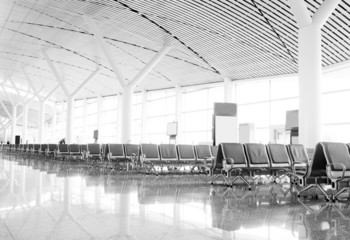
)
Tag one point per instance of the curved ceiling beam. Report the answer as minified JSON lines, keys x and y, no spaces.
{"x":169,"y":33}
{"x":274,"y":31}
{"x":112,"y":40}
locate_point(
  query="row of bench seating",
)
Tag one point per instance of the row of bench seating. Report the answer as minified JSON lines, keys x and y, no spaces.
{"x":330,"y":165}
{"x":251,"y":160}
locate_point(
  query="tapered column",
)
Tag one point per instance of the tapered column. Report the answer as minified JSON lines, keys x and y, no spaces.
{"x":41,"y":122}
{"x":14,"y":124}
{"x":310,"y":70}
{"x":144,"y":117}
{"x":178,"y":113}
{"x":69,"y":123}
{"x":99,"y":118}
{"x":54,"y":124}
{"x":119,"y":117}
{"x":84,"y":134}
{"x":25,"y":123}
{"x":126,"y":115}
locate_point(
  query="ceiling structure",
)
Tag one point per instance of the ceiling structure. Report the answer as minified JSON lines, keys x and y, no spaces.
{"x":210,"y":40}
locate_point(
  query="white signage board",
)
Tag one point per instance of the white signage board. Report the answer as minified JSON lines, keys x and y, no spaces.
{"x":225,"y":129}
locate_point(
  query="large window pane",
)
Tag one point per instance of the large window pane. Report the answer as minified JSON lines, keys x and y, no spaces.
{"x":334,"y":107}
{"x":336,"y":80}
{"x":336,"y":133}
{"x":196,"y":100}
{"x":254,"y":91}
{"x":279,"y":109}
{"x":196,"y":121}
{"x":254,"y":113}
{"x":284,"y":88}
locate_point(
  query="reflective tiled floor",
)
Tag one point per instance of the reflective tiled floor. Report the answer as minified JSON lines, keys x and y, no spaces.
{"x":53,"y":200}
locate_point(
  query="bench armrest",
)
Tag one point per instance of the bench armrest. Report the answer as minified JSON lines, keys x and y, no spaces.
{"x":329,"y":171}
{"x":208,"y":158}
{"x":226,"y":160}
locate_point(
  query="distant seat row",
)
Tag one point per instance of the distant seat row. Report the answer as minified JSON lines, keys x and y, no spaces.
{"x":147,"y":156}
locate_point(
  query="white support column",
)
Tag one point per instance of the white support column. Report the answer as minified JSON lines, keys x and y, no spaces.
{"x":83,"y":140}
{"x":41,"y":122}
{"x":14,"y":124}
{"x":228,"y":96}
{"x":144,"y":117}
{"x":129,"y":89}
{"x":127,"y":114}
{"x":119,"y":117}
{"x":310,"y":68}
{"x":178,"y":113}
{"x":99,"y":117}
{"x":54,"y":124}
{"x":69,"y":123}
{"x":25,"y":123}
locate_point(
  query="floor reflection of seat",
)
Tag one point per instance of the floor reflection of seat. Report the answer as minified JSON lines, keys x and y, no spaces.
{"x":226,"y":215}
{"x":121,"y":186}
{"x":148,"y":195}
{"x":192,"y":193}
{"x":278,"y":216}
{"x":93,"y":181}
{"x":165,"y":193}
{"x":322,"y":221}
{"x":256,"y":217}
{"x":52,"y":168}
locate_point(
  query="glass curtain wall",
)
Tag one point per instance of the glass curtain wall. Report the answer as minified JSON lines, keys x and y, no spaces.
{"x":197,"y":112}
{"x":261,"y":102}
{"x":335,"y":114}
{"x":109,"y":116}
{"x":161,"y":108}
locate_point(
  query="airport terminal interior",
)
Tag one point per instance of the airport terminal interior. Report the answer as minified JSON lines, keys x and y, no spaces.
{"x":174,"y":119}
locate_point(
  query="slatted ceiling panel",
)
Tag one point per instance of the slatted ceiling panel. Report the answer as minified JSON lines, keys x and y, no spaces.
{"x":287,"y":26}
{"x":240,"y":39}
{"x":159,"y":21}
{"x":144,"y":56}
{"x":257,"y":40}
{"x":5,"y":11}
{"x":124,"y":19}
{"x":333,"y":33}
